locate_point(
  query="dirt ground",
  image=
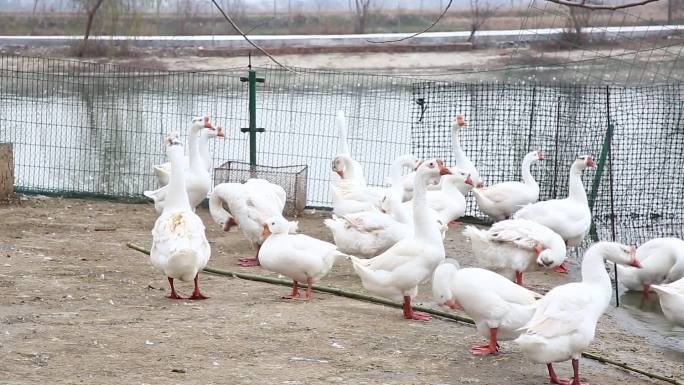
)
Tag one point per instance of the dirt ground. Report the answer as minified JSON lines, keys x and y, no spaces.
{"x":79,"y":307}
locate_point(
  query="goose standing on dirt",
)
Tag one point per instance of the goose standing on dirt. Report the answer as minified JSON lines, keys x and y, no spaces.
{"x":179,"y":245}
{"x":297,"y":256}
{"x":517,"y":245}
{"x":163,"y":171}
{"x":248,"y":205}
{"x":198,"y":180}
{"x":671,"y":298}
{"x":501,"y":200}
{"x":569,"y":217}
{"x":662,"y":261}
{"x":564,"y":323}
{"x":498,"y":306}
{"x":397,"y":272}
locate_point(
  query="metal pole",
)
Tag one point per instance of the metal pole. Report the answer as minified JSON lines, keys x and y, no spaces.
{"x":610,"y":184}
{"x":252,"y":118}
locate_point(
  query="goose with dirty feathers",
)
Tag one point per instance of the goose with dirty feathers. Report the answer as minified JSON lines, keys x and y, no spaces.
{"x":179,"y":245}
{"x":515,"y":246}
{"x":569,"y":217}
{"x":247,"y":205}
{"x":501,"y":200}
{"x":662,"y":262}
{"x":396,"y":273}
{"x":564,"y":323}
{"x":197,"y":179}
{"x":498,"y":306}
{"x":297,"y":256}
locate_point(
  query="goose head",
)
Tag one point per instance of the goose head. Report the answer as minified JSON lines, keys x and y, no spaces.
{"x":430,"y":171}
{"x":618,"y":253}
{"x":343,"y":166}
{"x":172,"y":143}
{"x":584,"y":161}
{"x":535,"y":156}
{"x":546,"y":257}
{"x":201,"y":122}
{"x":278,"y":225}
{"x":441,"y":282}
{"x":408,"y":160}
{"x":460,"y":122}
{"x":211,"y":133}
{"x":458,"y":179}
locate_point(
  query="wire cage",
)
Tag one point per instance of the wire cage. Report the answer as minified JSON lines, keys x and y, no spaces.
{"x":293,"y":179}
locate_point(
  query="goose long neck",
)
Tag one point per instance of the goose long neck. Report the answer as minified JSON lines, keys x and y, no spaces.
{"x":177,"y":197}
{"x":203,"y":146}
{"x":422,"y":220}
{"x":527,"y":174}
{"x":459,"y":155}
{"x":594,"y":270}
{"x":576,"y":187}
{"x":193,"y":151}
{"x":218,"y":213}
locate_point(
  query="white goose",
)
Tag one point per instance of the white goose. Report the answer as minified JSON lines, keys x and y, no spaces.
{"x":671,"y":298}
{"x":498,"y":306}
{"x":297,"y":256}
{"x":368,"y":233}
{"x":163,"y":171}
{"x":397,"y":272}
{"x":179,"y":245}
{"x":662,"y":261}
{"x":448,"y":202}
{"x":569,"y":217}
{"x":565,"y":320}
{"x":501,"y":200}
{"x":197,"y":179}
{"x":517,"y":245}
{"x":461,"y":164}
{"x":249,"y":205}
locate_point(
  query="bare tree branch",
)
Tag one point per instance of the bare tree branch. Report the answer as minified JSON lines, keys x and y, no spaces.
{"x":418,"y":33}
{"x":235,"y":26}
{"x":479,"y":14}
{"x":582,"y":4}
{"x":91,"y":15}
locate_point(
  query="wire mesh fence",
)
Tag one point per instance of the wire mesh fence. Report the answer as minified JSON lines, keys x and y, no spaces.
{"x":640,"y":193}
{"x":96,"y":129}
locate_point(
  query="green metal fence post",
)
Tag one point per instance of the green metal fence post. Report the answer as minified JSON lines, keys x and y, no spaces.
{"x":252,"y":129}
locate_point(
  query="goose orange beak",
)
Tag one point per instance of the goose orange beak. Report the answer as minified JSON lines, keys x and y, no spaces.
{"x":220,"y":133}
{"x":469,"y":181}
{"x":541,"y":156}
{"x":207,"y":123}
{"x":632,"y":253}
{"x":442,"y":170}
{"x":265,"y":232}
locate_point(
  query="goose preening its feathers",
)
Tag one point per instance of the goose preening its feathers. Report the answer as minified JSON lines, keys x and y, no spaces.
{"x":247,"y":205}
{"x":564,"y":323}
{"x":297,"y":256}
{"x":662,"y":261}
{"x":569,"y":217}
{"x":498,"y":306}
{"x":197,"y":178}
{"x":517,"y":245}
{"x":501,"y":200}
{"x":397,"y":272}
{"x":179,"y":245}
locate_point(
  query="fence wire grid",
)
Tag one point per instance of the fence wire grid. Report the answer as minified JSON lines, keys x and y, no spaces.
{"x":96,"y":130}
{"x":640,"y":192}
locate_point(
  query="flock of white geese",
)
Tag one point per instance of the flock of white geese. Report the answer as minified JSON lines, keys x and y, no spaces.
{"x":393,"y":238}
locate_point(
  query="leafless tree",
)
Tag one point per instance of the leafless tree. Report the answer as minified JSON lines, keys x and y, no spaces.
{"x":479,"y":12}
{"x":588,"y":4}
{"x":362,"y":12}
{"x":91,"y":7}
{"x":578,"y":19}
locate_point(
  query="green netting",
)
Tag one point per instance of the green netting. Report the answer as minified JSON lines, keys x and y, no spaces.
{"x":96,"y":129}
{"x":641,"y":191}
